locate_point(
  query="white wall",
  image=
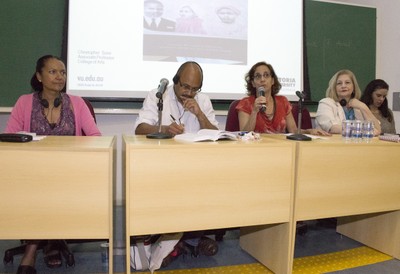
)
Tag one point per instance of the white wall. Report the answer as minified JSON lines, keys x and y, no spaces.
{"x":388,"y":43}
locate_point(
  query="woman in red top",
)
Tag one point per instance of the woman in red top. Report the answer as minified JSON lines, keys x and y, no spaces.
{"x":276,"y":115}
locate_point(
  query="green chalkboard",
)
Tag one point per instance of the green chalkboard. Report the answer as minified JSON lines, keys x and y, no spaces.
{"x":338,"y":36}
{"x":28,"y":30}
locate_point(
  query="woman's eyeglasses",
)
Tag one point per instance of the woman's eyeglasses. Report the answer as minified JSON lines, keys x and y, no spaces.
{"x":258,"y":76}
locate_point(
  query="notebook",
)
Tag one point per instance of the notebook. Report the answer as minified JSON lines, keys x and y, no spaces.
{"x":390,"y":137}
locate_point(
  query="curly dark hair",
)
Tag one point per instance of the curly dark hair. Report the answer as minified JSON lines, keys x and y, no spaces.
{"x":367,"y":97}
{"x":249,"y":77}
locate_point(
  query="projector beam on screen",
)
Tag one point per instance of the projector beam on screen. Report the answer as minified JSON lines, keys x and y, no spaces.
{"x":112,"y":53}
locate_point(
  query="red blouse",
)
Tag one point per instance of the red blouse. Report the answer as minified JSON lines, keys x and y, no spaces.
{"x":263,"y":124}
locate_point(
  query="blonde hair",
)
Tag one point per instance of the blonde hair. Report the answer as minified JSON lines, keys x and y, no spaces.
{"x":331,"y":90}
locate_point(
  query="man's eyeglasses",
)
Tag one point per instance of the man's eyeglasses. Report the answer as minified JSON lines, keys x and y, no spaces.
{"x":258,"y":76}
{"x":186,"y":87}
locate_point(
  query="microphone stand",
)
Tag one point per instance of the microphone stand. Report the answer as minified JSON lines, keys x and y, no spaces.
{"x":298,"y":136}
{"x":159,"y":134}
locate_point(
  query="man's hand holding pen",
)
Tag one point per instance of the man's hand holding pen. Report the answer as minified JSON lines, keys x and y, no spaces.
{"x":175,"y":127}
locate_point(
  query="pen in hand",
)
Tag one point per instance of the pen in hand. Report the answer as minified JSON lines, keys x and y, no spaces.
{"x":179,"y":129}
{"x":173,"y":119}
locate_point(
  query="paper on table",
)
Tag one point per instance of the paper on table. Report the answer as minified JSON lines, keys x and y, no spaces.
{"x":206,"y":135}
{"x":34,"y":136}
{"x":317,"y":137}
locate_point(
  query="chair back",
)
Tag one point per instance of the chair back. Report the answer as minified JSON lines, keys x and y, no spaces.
{"x":232,"y":119}
{"x":90,"y":107}
{"x":305,"y":116}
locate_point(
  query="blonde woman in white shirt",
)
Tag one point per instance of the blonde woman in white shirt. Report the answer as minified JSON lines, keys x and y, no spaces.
{"x":342,"y":102}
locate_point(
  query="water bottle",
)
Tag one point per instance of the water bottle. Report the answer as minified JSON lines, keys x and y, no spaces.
{"x":367,"y":131}
{"x":346,"y":130}
{"x":356,"y":131}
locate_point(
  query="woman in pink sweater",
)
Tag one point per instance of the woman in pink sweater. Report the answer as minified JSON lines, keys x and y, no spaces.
{"x":49,"y":111}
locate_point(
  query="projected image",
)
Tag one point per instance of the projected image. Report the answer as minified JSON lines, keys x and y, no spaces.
{"x":177,"y":31}
{"x":189,"y":22}
{"x":153,"y":17}
{"x":230,"y":24}
{"x":122,"y":49}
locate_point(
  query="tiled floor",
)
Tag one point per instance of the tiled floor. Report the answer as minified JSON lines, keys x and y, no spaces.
{"x":319,"y":239}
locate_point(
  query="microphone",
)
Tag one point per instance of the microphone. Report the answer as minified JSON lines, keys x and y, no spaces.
{"x":261,"y":92}
{"x":162,"y":87}
{"x":343,"y":102}
{"x":298,"y":136}
{"x":300,"y":95}
{"x":160,"y":92}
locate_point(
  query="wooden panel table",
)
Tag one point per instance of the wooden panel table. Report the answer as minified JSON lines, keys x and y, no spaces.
{"x":174,"y":187}
{"x":357,"y":181}
{"x":58,"y":188}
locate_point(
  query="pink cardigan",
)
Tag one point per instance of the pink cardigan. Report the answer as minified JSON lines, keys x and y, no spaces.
{"x":20,"y":119}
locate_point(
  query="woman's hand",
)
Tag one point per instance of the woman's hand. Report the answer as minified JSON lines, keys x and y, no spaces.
{"x":367,"y":114}
{"x":260,"y":101}
{"x":318,"y":132}
{"x":355,"y":103}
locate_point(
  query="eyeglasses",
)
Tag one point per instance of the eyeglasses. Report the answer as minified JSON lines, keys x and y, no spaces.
{"x":186,"y":87}
{"x":258,"y":76}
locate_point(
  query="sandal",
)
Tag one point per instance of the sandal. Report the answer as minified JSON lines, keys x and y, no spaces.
{"x":208,"y":247}
{"x":26,"y":269}
{"x":52,"y":255}
{"x":175,"y":253}
{"x":190,"y":249}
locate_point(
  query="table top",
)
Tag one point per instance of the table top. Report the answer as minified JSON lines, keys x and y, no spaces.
{"x":63,"y":142}
{"x":143,"y":141}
